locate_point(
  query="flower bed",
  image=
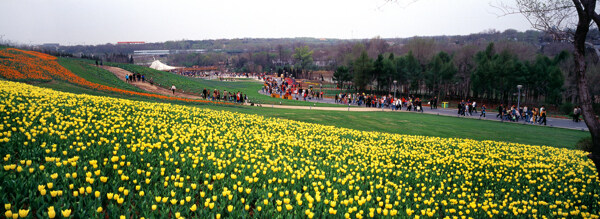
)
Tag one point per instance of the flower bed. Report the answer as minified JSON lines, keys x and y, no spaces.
{"x":90,"y":157}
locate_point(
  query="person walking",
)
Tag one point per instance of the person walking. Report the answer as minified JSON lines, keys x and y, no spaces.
{"x":543,"y":115}
{"x":529,"y":114}
{"x":535,"y":116}
{"x":469,"y":108}
{"x":173,"y":89}
{"x":482,"y":111}
{"x":500,"y":112}
{"x":576,"y":114}
{"x":525,"y":113}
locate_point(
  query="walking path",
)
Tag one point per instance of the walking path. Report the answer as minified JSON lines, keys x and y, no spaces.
{"x":551,"y":122}
{"x":120,"y":73}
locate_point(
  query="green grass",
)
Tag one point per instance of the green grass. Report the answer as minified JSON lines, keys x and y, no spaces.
{"x":427,"y":125}
{"x":96,"y":75}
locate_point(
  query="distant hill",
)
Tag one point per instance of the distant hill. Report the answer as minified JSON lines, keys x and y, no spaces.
{"x":266,"y":44}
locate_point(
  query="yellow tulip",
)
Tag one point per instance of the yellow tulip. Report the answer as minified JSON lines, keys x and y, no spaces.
{"x":23,"y":212}
{"x":51,"y":212}
{"x":66,"y":213}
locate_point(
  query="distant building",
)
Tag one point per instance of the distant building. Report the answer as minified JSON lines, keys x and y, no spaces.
{"x":151,"y":52}
{"x":50,"y":45}
{"x":130,"y":42}
{"x":324,"y":63}
{"x":184,"y":51}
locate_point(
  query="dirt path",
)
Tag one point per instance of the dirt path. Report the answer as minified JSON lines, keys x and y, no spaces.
{"x":120,"y":73}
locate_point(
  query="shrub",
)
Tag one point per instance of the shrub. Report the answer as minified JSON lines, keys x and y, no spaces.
{"x":566,"y":108}
{"x":585,"y":144}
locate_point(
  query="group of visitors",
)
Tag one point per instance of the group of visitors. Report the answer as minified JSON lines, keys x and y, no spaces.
{"x":468,"y":107}
{"x":137,"y":77}
{"x":288,"y":88}
{"x":384,"y":101}
{"x":306,"y":94}
{"x":530,"y":115}
{"x":217,"y":95}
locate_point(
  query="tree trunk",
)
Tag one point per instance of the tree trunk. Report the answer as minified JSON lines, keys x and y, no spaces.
{"x":585,"y":15}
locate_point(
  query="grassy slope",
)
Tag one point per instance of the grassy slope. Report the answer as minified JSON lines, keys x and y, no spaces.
{"x":196,"y":85}
{"x":100,"y":76}
{"x":95,"y":74}
{"x":428,"y":125}
{"x":393,"y":122}
{"x":402,"y":123}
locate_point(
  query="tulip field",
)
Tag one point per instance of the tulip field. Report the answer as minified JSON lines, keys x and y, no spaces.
{"x":82,"y":156}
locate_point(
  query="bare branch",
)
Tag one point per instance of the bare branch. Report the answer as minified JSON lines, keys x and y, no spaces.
{"x":554,"y":17}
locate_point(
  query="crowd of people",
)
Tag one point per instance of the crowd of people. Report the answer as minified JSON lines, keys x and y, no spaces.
{"x":217,"y":95}
{"x":532,"y":115}
{"x":137,"y":77}
{"x":410,"y":103}
{"x":288,"y":88}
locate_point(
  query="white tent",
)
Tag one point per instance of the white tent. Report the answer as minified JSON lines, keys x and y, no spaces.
{"x":161,"y":66}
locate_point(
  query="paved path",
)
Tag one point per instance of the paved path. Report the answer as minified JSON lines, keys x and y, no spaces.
{"x":552,"y":122}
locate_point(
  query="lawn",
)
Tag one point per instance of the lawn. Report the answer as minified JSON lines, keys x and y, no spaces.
{"x":96,"y":75}
{"x":426,"y":125}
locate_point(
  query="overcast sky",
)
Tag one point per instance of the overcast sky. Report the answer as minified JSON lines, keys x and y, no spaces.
{"x":110,"y":21}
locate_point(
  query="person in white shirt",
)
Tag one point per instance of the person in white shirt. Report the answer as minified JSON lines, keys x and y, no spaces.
{"x":173,"y":89}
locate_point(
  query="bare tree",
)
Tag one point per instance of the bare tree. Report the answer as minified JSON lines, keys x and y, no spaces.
{"x":558,"y":17}
{"x":465,"y":63}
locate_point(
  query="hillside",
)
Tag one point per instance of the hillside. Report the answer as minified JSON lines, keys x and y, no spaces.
{"x":141,"y":159}
{"x":401,"y":123}
{"x":30,"y":66}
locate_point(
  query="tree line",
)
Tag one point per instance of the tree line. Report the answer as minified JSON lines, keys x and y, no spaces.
{"x":490,"y":74}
